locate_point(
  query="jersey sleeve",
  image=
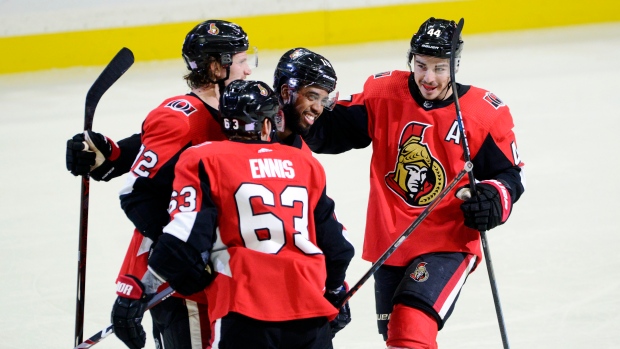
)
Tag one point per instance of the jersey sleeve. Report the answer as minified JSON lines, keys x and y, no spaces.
{"x":191,"y":230}
{"x":129,"y":148}
{"x":331,"y":239}
{"x":146,"y":193}
{"x":342,"y":129}
{"x":497,"y":157}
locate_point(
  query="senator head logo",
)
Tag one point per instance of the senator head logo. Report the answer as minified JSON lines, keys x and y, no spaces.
{"x":417,"y":177}
{"x":420,"y":274}
{"x":213,"y":29}
{"x":263,"y":91}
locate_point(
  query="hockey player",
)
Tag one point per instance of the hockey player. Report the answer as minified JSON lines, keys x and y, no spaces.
{"x":215,"y":53}
{"x":410,"y":119}
{"x":307,"y":82}
{"x":251,"y":221}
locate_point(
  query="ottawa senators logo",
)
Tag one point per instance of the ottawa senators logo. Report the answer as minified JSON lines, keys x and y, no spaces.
{"x":263,"y":91}
{"x":213,"y":29}
{"x":296,"y":54}
{"x":417,"y":177}
{"x":181,"y":105}
{"x":420,"y":274}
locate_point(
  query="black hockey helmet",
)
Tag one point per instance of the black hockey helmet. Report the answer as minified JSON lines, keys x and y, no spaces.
{"x":301,"y":67}
{"x":244,"y":105}
{"x":434,"y":38}
{"x":217,"y":38}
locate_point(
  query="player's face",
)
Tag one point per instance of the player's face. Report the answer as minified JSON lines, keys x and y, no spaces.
{"x":239,"y":69}
{"x":309,"y":105}
{"x":432,"y":75}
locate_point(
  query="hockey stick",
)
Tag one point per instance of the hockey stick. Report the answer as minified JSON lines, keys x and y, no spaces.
{"x":466,"y":169}
{"x":114,"y":70}
{"x":472,"y":183}
{"x":158,"y":298}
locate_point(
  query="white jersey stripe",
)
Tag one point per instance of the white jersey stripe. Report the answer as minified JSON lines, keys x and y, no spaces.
{"x":457,"y":288}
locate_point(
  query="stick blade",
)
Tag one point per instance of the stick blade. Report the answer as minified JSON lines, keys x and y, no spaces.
{"x":112,"y":72}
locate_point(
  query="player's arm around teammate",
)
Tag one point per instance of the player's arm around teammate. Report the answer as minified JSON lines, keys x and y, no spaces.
{"x":269,"y":233}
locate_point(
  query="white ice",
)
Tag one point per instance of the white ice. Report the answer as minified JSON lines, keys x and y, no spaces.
{"x":556,"y":260}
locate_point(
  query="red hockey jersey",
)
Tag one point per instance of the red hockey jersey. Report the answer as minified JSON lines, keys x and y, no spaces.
{"x":261,"y":210}
{"x":176,"y":124}
{"x":417,"y":151}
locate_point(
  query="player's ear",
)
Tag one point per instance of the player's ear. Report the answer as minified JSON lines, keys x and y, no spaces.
{"x":265,"y":133}
{"x":285,"y":92}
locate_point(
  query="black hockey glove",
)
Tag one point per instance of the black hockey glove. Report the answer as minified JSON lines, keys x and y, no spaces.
{"x":128,"y":311}
{"x":489,"y":209}
{"x":100,"y":148}
{"x":194,"y":280}
{"x":344,"y":313}
{"x":79,"y":160}
{"x":185,"y":269}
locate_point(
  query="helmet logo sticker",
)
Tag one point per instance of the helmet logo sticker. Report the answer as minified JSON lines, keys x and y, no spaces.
{"x":181,"y":105}
{"x":213,"y":29}
{"x":263,"y":91}
{"x":420,"y":274}
{"x":417,"y":177}
{"x":296,"y":54}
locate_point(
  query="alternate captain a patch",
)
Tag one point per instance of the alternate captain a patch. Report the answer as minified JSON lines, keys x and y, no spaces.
{"x":417,"y":177}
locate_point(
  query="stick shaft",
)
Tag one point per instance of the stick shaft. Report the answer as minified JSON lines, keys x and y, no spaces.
{"x":467,"y":168}
{"x":472,"y":184}
{"x":112,"y":72}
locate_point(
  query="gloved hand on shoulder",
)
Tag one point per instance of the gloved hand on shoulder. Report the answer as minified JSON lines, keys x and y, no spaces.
{"x":490,"y":208}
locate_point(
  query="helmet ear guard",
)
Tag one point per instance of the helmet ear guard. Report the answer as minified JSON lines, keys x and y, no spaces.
{"x":225,"y":60}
